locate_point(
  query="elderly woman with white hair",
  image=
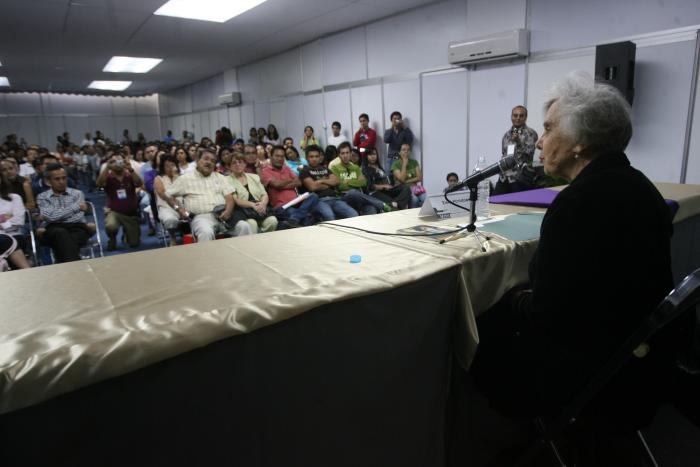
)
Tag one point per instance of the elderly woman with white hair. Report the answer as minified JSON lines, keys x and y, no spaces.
{"x":602,"y":265}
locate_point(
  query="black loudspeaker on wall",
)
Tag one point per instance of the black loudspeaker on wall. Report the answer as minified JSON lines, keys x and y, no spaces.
{"x":614,"y":65}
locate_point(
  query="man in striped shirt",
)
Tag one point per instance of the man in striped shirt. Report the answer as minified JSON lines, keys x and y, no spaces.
{"x":62,"y":209}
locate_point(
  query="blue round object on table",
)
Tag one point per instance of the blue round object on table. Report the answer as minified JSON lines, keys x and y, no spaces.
{"x":355,"y":258}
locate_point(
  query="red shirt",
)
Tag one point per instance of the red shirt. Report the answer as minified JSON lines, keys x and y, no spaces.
{"x":121,"y":195}
{"x":365,"y":139}
{"x":278,"y":197}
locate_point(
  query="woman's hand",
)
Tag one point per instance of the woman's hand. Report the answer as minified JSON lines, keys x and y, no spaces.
{"x":260,"y":207}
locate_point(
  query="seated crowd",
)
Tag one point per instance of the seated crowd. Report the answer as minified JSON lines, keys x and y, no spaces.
{"x":220,"y":187}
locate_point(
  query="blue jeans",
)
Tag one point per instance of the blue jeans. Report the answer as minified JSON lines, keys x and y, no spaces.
{"x":362,"y":203}
{"x":300,"y":212}
{"x":417,"y":201}
{"x":330,"y":208}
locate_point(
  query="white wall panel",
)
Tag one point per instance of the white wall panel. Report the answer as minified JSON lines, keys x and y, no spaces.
{"x":294,"y":117}
{"x":234,"y":118}
{"x":313,"y":115}
{"x":311,"y":66}
{"x":54,"y":127}
{"x":563,"y":25}
{"x":24,"y":127}
{"x":262,"y":114}
{"x":147,"y":105}
{"x":189,"y":124}
{"x":493,"y":92}
{"x":662,"y":92}
{"x":337,"y":108}
{"x":224,"y":118}
{"x":180,"y":101}
{"x":492,"y":16}
{"x":543,"y":75}
{"x":278,"y":116}
{"x":368,"y":99}
{"x":249,"y":82}
{"x":404,"y":96}
{"x":343,"y":57}
{"x":230,"y":80}
{"x":416,"y":40}
{"x":444,"y":115}
{"x":281,"y":74}
{"x":693,"y":170}
{"x":247,"y":118}
{"x":214,"y":123}
{"x":123,"y":106}
{"x":77,"y":127}
{"x":149,"y":126}
{"x":21,"y":103}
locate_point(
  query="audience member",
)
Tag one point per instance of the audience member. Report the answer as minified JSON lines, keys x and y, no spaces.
{"x":253,"y":163}
{"x":62,"y":211}
{"x":208,"y":197}
{"x":352,"y":182}
{"x":365,"y":137}
{"x":39,"y":182}
{"x":452,"y":180}
{"x":336,"y":137}
{"x":169,"y":139}
{"x":330,"y":155}
{"x":11,"y":223}
{"x":9,"y":251}
{"x":252,"y":201}
{"x":253,"y":136}
{"x":262,"y":135}
{"x":87,"y":141}
{"x":308,"y":139}
{"x":407,"y":172}
{"x":398,"y":135}
{"x":272,"y":136}
{"x":185,"y":164}
{"x":288,"y":141}
{"x":18,"y":185}
{"x":519,"y":140}
{"x":379,"y":184}
{"x":317,"y":179}
{"x":26,"y":166}
{"x":294,"y":161}
{"x":120,"y":183}
{"x":281,"y":183}
{"x":167,"y":174}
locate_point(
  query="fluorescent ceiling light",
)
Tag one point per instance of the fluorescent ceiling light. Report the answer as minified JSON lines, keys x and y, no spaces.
{"x":131,"y":64}
{"x":4,"y":81}
{"x":110,"y":85}
{"x":218,"y":11}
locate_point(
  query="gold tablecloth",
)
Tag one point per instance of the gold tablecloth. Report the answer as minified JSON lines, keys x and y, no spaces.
{"x":66,"y":326}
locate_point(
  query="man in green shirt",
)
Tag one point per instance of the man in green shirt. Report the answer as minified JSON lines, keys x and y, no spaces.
{"x":352,"y":182}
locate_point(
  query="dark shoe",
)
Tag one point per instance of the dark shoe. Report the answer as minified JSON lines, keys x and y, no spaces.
{"x":112,"y":244}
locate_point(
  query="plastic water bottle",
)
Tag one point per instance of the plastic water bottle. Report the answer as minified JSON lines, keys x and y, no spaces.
{"x":483,"y":188}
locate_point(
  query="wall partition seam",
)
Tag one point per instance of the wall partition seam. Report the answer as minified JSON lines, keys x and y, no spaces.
{"x":467,"y":84}
{"x":691,"y":109}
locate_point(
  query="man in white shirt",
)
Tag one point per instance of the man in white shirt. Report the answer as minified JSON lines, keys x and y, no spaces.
{"x":87,"y":141}
{"x":202,"y":191}
{"x":336,"y":138}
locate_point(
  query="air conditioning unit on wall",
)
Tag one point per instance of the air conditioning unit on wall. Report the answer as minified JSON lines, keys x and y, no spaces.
{"x":501,"y":46}
{"x":231,"y":99}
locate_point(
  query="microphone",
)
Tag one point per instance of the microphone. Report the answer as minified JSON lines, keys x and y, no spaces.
{"x":502,"y":165}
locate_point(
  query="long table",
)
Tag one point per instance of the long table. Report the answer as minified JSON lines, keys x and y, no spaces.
{"x":191,"y":353}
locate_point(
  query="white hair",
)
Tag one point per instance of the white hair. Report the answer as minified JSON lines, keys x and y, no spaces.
{"x":593,"y":115}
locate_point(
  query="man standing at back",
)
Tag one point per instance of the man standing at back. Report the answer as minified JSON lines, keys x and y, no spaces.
{"x":397,"y":135}
{"x":366,"y":137}
{"x":519,"y":140}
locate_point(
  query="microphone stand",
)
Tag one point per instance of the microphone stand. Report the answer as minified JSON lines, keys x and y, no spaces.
{"x":471,"y":227}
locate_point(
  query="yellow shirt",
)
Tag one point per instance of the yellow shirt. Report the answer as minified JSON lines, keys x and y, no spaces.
{"x":201,"y":194}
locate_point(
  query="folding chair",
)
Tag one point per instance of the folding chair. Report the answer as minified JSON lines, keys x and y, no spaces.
{"x":94,"y":243}
{"x":32,"y":239}
{"x":680,"y":303}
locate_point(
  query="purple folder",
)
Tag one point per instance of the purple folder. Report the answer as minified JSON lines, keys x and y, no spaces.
{"x":543,"y":197}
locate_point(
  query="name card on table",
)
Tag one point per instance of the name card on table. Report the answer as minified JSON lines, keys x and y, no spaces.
{"x":435,"y":205}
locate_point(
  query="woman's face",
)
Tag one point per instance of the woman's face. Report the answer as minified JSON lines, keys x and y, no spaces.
{"x":170,"y":168}
{"x":192,"y":150}
{"x":292,"y":156}
{"x":10,"y":169}
{"x":181,"y":155}
{"x":237,"y":166}
{"x":253,"y":133}
{"x":556,"y":148}
{"x":405,"y":151}
{"x":308,"y":132}
{"x":372,"y":157}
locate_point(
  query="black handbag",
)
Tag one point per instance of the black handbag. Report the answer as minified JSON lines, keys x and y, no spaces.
{"x":251,"y":213}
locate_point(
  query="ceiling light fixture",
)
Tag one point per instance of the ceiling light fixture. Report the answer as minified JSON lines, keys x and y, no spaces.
{"x":4,"y":82}
{"x":110,"y":85}
{"x":218,"y":11}
{"x":131,"y":64}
